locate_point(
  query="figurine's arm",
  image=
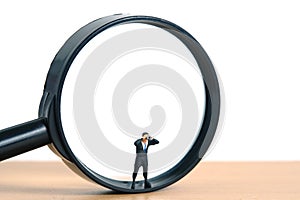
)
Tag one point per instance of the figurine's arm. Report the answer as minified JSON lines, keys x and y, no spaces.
{"x":136,"y":142}
{"x":153,"y":141}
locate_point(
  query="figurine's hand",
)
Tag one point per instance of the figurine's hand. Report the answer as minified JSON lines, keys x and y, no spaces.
{"x":151,"y":138}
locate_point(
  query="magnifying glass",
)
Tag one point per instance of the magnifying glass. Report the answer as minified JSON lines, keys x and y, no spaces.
{"x":114,"y":80}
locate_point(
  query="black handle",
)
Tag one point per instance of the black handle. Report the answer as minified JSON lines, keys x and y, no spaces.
{"x":22,"y":138}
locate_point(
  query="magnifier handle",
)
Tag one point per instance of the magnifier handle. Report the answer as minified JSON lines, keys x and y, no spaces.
{"x":22,"y":138}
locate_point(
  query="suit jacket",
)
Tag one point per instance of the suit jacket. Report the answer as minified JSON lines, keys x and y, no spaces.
{"x":139,"y":146}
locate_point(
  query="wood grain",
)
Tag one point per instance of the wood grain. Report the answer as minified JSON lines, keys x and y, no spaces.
{"x":209,"y":180}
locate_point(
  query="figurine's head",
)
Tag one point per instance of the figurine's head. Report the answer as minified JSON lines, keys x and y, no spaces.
{"x":145,"y":135}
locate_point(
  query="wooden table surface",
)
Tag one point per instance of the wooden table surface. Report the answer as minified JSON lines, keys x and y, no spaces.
{"x":209,"y":180}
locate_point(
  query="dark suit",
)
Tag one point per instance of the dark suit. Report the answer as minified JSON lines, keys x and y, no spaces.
{"x":139,"y":145}
{"x":141,"y":159}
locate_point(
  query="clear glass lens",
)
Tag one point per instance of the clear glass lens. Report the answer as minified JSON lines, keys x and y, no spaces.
{"x":127,"y":80}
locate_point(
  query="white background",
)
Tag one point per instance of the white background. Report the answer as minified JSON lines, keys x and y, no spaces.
{"x":255,"y":47}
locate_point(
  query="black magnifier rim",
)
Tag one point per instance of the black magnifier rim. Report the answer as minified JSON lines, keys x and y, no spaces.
{"x":50,"y":104}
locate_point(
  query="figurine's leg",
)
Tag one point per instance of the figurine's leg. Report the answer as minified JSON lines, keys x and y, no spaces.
{"x":145,"y":174}
{"x":134,"y":175}
{"x":147,"y":183}
{"x":135,"y":171}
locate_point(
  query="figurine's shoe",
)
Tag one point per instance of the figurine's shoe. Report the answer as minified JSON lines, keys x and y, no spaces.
{"x":147,"y":184}
{"x":133,"y":186}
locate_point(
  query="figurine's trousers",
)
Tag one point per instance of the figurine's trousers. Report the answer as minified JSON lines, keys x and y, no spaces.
{"x":141,"y":160}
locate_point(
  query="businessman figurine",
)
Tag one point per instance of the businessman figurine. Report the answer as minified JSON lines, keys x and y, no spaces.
{"x":141,"y":159}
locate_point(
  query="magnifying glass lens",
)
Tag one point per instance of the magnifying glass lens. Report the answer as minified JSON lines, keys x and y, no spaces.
{"x":130,"y":79}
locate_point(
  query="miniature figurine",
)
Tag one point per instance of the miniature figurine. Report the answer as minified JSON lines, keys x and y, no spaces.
{"x":141,"y":159}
